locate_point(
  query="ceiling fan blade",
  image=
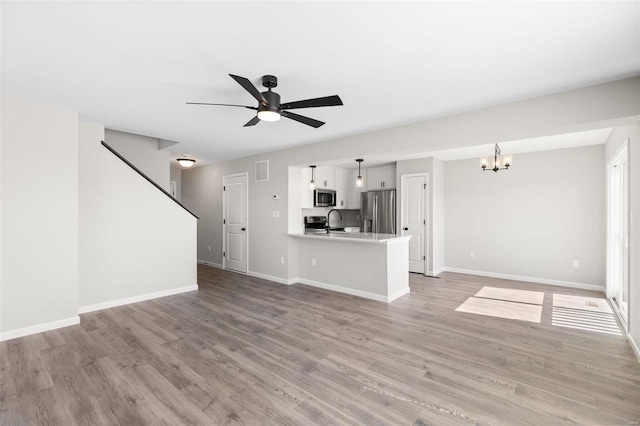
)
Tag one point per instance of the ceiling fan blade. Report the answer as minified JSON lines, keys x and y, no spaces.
{"x":249,"y":87}
{"x":314,"y":103}
{"x":304,"y":120}
{"x":255,"y":120}
{"x":231,"y":105}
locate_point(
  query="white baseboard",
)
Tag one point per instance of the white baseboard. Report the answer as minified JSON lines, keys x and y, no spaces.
{"x":526,"y":279}
{"x":353,"y":292}
{"x":135,"y":299}
{"x":272,"y":278}
{"x":438,"y":271}
{"x":634,"y":346}
{"x":398,"y":294}
{"x":34,"y":329}
{"x":215,"y":265}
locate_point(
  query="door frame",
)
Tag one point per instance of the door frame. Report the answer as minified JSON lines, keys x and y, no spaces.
{"x":427,"y":216}
{"x":224,"y":209}
{"x":621,"y":152}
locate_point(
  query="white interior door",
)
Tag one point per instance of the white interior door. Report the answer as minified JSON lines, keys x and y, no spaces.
{"x":413,"y":219}
{"x":235,"y":223}
{"x":618,"y":234}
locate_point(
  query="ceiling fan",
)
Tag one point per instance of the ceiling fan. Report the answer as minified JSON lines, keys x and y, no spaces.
{"x":269,"y":107}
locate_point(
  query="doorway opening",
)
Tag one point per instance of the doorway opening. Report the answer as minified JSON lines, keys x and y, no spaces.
{"x":618,"y":233}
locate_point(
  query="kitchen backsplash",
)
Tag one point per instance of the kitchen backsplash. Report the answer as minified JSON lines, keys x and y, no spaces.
{"x":350,"y":217}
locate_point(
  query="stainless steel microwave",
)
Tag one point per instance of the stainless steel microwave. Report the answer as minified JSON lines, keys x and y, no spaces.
{"x":324,"y":198}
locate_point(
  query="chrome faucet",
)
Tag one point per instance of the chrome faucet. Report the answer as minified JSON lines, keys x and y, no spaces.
{"x":329,"y":218}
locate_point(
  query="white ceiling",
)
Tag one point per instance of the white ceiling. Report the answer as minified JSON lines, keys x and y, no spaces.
{"x":132,"y":66}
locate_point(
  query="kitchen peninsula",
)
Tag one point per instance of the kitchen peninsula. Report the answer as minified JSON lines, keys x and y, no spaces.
{"x":370,"y":265}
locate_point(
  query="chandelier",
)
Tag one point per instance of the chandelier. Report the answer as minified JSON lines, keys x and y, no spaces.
{"x":498,"y":160}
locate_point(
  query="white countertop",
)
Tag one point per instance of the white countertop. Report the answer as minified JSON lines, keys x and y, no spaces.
{"x":354,"y":237}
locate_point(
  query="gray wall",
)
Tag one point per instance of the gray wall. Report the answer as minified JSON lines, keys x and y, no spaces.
{"x":39,"y":263}
{"x":142,"y":152}
{"x":533,"y":220}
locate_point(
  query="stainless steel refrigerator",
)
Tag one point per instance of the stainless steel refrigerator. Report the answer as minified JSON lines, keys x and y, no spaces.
{"x":378,"y":211}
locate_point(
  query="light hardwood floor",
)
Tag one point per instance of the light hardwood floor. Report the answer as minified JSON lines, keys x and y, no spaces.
{"x":242,"y":350}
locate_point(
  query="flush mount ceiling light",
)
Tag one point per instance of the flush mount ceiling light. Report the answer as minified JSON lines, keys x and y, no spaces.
{"x":498,"y":160}
{"x":359,"y":180}
{"x":185,"y":161}
{"x":312,"y":184}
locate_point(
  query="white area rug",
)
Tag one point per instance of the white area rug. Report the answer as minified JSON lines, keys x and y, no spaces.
{"x":502,"y":309}
{"x":512,"y":295}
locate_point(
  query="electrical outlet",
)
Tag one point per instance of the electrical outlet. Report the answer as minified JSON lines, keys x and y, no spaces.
{"x":472,"y":254}
{"x":209,"y":248}
{"x":576,"y":263}
{"x":281,"y":260}
{"x":313,"y":262}
{"x":276,"y":213}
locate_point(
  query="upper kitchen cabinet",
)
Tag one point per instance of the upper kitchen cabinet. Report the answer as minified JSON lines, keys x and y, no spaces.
{"x":325,"y":177}
{"x":381,"y":178}
{"x":356,"y":191}
{"x":342,"y":177}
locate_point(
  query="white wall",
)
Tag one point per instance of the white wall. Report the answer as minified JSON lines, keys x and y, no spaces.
{"x":583,"y":109}
{"x":533,"y":220}
{"x":438,"y":215}
{"x":615,"y":140}
{"x":39,"y":263}
{"x":134,"y":240}
{"x":143,"y":152}
{"x":176,"y":176}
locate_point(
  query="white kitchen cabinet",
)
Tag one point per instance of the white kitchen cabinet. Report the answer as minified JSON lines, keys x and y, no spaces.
{"x":325,"y":177}
{"x":306,"y":199}
{"x":381,"y":178}
{"x":356,"y":191}
{"x":389,"y":177}
{"x":342,"y":177}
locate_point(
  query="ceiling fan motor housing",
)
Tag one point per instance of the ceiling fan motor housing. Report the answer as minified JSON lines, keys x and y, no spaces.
{"x":273,"y":99}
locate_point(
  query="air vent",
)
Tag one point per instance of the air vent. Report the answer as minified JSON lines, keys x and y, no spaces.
{"x":262,"y":171}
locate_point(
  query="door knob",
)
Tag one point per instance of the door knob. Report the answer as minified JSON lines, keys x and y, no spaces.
{"x":406,"y":229}
{"x":243,"y":229}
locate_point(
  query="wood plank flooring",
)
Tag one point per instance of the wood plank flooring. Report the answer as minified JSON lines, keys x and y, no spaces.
{"x":242,"y":350}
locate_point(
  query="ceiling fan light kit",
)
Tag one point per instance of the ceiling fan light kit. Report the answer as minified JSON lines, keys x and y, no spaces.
{"x":269,"y":106}
{"x":268,"y":115}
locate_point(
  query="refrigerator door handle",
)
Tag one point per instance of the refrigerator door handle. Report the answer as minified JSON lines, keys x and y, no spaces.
{"x":375,"y":214}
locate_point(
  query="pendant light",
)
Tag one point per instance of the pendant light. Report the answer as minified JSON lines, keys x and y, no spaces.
{"x":497,"y":161}
{"x":185,"y":161}
{"x":312,"y":184}
{"x":359,"y":180}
